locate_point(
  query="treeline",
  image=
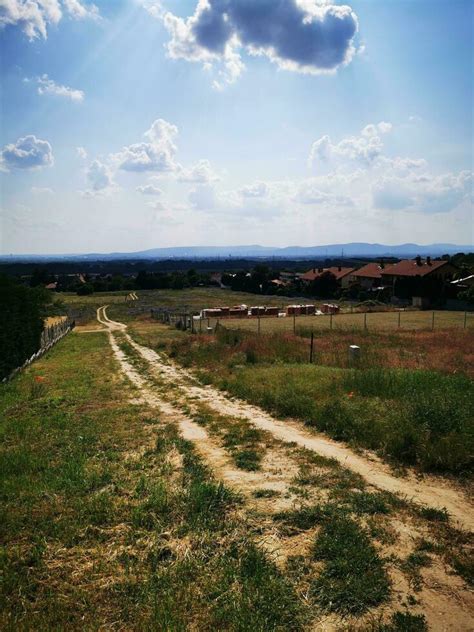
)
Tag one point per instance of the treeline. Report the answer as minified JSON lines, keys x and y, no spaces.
{"x":260,"y":280}
{"x":21,"y":323}
{"x":143,"y":281}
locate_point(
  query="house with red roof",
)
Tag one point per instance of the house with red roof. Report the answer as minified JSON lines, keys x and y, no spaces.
{"x":418,"y":268}
{"x":370,"y":275}
{"x":342,"y":274}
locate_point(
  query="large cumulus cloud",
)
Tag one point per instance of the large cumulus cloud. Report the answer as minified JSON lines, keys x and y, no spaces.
{"x":307,"y":36}
{"x":365,"y":148}
{"x":156,"y":153}
{"x":28,"y":152}
{"x":99,"y":176}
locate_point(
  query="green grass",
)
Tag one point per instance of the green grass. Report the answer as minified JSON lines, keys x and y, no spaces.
{"x":413,"y":564}
{"x":97,"y":531}
{"x":244,"y":442}
{"x":404,"y":622}
{"x":353,"y":578}
{"x":377,"y":321}
{"x":414,"y":418}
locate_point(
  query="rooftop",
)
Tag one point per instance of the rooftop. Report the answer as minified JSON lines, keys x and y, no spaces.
{"x":338,"y":271}
{"x":413,"y":267}
{"x":372,"y":270}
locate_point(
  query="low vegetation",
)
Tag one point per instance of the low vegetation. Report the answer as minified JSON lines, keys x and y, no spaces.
{"x":21,"y":323}
{"x":353,"y":578}
{"x":419,"y":418}
{"x":110,"y":518}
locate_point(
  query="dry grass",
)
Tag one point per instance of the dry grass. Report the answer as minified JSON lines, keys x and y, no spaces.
{"x":375,"y":321}
{"x":110,"y":519}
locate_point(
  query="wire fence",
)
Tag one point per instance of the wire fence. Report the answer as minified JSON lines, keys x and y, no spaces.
{"x":299,"y":323}
{"x":367,"y":321}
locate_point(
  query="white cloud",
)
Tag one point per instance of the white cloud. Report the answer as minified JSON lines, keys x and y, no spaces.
{"x":203,"y":197}
{"x":200,"y":173}
{"x":310,"y":193}
{"x":375,"y":130}
{"x":365,"y":148}
{"x":425,"y":194}
{"x":48,"y":86}
{"x":28,"y":152}
{"x":383,"y":182}
{"x":257,"y":190}
{"x":42,"y":190}
{"x":298,"y":35}
{"x":149,"y":189}
{"x":99,"y":177}
{"x":79,"y":11}
{"x":156,"y":206}
{"x":35,"y":16}
{"x":157,"y":153}
{"x":82,"y":153}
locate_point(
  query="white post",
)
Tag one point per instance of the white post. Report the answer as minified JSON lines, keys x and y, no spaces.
{"x":354,"y":354}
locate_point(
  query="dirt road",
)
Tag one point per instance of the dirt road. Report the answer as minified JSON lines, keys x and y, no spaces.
{"x":444,"y":598}
{"x":429,"y":491}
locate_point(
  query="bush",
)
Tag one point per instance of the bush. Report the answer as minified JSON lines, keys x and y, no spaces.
{"x":86,"y":289}
{"x":21,"y":323}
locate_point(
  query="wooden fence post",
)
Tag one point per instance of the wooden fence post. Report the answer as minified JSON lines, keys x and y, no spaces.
{"x":432,"y":321}
{"x":465,"y":320}
{"x":399,"y":319}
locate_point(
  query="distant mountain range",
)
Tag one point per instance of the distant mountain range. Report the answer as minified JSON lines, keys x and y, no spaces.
{"x":354,"y":249}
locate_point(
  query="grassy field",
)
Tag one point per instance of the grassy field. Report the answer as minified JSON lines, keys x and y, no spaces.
{"x":83,"y":308}
{"x":375,"y":321}
{"x":414,"y":417}
{"x":111,"y":521}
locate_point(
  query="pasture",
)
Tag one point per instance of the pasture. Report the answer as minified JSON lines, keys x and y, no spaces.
{"x":137,"y":495}
{"x":373,"y":321}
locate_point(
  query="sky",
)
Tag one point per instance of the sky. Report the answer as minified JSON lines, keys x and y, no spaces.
{"x":136,"y":124}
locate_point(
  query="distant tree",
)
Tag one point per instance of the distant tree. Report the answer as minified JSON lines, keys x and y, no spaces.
{"x":467,"y":295}
{"x":85,"y":289}
{"x":324,"y":286}
{"x":40,"y":276}
{"x":116,"y":283}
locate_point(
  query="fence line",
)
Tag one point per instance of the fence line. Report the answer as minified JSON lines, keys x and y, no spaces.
{"x":367,"y":321}
{"x":49,"y":337}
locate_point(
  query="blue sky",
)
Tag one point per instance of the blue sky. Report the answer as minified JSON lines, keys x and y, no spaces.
{"x":131,"y":124}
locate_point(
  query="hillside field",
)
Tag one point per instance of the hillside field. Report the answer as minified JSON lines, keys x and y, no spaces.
{"x":152,"y":478}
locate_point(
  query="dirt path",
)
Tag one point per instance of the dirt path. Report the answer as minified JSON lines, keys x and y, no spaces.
{"x":444,"y":600}
{"x":429,"y":491}
{"x":243,"y":482}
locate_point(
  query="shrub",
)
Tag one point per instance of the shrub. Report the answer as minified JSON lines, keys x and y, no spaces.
{"x":21,"y":323}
